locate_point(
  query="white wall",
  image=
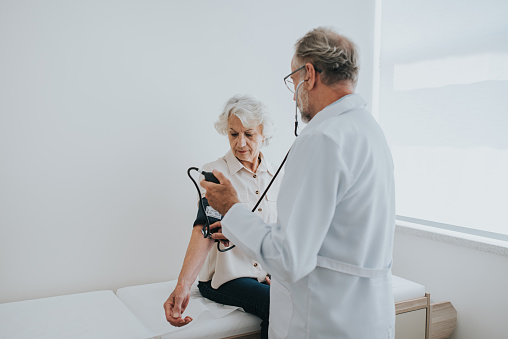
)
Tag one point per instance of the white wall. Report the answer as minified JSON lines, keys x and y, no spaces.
{"x":103,"y":107}
{"x":472,"y":280}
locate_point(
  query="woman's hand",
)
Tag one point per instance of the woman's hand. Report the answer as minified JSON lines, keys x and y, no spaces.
{"x":176,"y":305}
{"x":217,"y":235}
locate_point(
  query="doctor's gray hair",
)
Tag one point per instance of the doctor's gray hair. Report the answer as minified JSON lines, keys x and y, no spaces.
{"x":251,"y":113}
{"x":333,"y":54}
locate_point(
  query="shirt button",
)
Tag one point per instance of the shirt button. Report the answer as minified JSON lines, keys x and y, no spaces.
{"x":255,"y":264}
{"x":257,"y":192}
{"x":259,"y":209}
{"x":254,"y":176}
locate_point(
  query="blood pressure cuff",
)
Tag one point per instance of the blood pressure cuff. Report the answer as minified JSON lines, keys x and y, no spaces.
{"x":213,"y":215}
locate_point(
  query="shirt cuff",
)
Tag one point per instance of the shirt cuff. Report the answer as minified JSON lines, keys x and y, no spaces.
{"x":236,"y":211}
{"x":246,"y":230}
{"x":234,"y":224}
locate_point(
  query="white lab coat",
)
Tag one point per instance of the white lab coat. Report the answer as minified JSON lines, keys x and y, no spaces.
{"x":330,"y":250}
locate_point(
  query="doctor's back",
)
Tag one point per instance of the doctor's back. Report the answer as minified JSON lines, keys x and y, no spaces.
{"x":336,"y":210}
{"x":346,"y":198}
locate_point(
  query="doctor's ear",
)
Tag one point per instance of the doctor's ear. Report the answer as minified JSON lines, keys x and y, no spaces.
{"x":310,"y":77}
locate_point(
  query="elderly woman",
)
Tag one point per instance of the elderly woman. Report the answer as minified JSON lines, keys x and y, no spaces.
{"x":232,"y":277}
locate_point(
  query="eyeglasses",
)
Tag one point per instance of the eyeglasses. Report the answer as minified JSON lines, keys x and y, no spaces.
{"x":289,"y":81}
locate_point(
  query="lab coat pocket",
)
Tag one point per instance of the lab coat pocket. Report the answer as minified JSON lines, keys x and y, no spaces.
{"x":281,"y":309}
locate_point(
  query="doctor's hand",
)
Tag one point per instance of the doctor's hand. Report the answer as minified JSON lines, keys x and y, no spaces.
{"x":220,"y":196}
{"x":217,"y":235}
{"x":176,"y":305}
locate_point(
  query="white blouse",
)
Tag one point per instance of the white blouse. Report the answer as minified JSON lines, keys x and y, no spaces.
{"x":221,"y":267}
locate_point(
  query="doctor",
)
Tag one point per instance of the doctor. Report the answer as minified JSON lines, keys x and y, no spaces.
{"x":330,"y":250}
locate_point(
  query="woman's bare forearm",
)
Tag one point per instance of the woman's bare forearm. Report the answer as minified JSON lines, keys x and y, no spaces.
{"x":194,"y":257}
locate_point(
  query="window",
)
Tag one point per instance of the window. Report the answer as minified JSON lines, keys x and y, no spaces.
{"x":443,"y":104}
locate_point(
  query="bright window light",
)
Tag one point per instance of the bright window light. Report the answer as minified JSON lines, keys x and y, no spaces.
{"x":458,"y":70}
{"x":443,"y":105}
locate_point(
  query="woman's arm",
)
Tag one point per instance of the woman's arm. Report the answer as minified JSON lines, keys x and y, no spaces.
{"x":197,"y":250}
{"x":194,"y":257}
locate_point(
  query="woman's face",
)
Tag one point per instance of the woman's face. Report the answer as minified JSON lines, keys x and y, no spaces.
{"x":245,"y":142}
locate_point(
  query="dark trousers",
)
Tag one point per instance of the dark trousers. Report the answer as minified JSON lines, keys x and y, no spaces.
{"x":248,"y":293}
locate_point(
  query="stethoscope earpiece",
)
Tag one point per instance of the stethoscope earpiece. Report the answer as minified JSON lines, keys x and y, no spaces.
{"x":296,"y":108}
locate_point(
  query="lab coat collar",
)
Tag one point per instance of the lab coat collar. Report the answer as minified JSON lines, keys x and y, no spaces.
{"x":234,"y":165}
{"x":344,"y":104}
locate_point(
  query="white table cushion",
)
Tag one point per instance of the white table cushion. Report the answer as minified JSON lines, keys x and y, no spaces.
{"x":97,"y":314}
{"x":404,"y":289}
{"x":211,"y":320}
{"x":137,"y":312}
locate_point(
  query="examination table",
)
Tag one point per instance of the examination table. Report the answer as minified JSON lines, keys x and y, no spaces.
{"x":137,"y":312}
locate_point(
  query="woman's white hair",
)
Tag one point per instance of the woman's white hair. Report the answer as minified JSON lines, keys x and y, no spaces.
{"x":251,"y":113}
